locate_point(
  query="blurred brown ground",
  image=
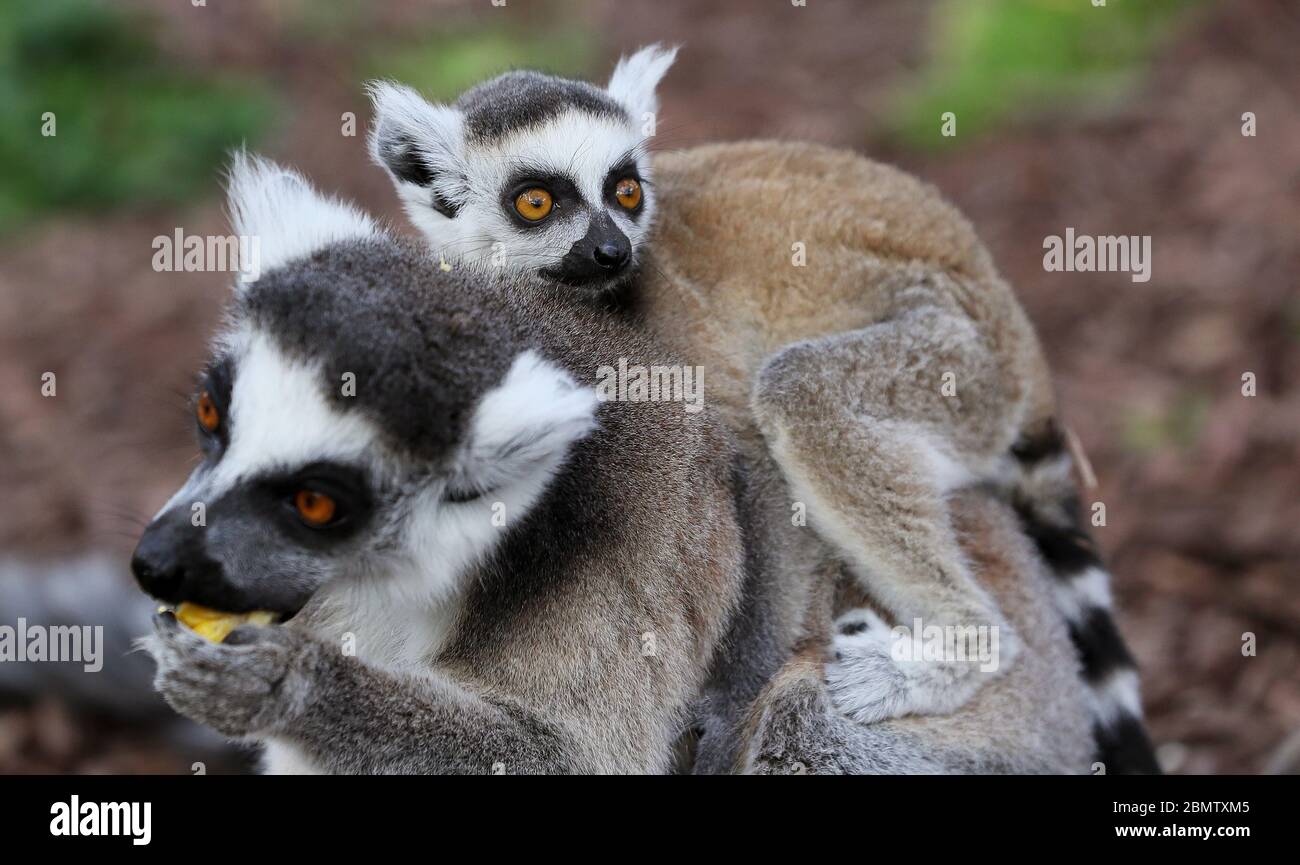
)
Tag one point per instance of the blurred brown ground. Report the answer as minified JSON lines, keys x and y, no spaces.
{"x":1200,"y":483}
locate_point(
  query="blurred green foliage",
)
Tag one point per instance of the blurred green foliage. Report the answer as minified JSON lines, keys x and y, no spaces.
{"x":442,"y":64}
{"x":131,"y":126}
{"x":995,"y":59}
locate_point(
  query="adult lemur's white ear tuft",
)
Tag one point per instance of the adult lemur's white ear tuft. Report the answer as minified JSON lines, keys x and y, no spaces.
{"x":420,"y":145}
{"x":282,"y":217}
{"x":523,"y":427}
{"x":635,"y":79}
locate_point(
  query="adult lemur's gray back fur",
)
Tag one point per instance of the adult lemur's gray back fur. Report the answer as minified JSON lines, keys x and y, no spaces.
{"x":829,"y":372}
{"x":511,"y":575}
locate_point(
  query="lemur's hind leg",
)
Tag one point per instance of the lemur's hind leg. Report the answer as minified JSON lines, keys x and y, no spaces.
{"x":1034,"y":719}
{"x":872,"y":428}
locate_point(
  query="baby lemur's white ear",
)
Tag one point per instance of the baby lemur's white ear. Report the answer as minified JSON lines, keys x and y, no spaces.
{"x":420,"y":145}
{"x":635,"y":79}
{"x":522,"y":428}
{"x":279,"y":216}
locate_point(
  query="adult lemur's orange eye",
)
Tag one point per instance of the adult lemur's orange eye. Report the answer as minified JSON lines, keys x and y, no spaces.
{"x":206,"y":412}
{"x":315,"y":508}
{"x":533,"y":204}
{"x":628,"y":193}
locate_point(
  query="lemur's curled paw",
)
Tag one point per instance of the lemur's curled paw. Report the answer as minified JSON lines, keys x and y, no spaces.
{"x":242,"y":687}
{"x":872,"y":676}
{"x":865,"y":681}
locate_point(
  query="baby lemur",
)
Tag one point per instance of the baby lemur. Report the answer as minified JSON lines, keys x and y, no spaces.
{"x":857,"y":339}
{"x":486,"y":568}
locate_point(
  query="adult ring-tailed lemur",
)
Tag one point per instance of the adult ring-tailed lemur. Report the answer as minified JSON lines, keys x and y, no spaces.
{"x":863,"y":349}
{"x":486,"y":569}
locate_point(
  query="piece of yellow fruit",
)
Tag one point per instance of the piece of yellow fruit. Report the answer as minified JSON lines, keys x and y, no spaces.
{"x":214,"y":625}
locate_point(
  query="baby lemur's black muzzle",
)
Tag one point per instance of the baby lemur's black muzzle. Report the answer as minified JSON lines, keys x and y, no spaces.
{"x":601,"y":255}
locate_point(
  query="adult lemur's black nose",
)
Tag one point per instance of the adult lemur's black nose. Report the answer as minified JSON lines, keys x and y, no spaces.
{"x":157,"y":569}
{"x":157,"y":576}
{"x":612,"y":256}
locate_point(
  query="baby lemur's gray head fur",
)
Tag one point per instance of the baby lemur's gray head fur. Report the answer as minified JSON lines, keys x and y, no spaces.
{"x":361,"y":414}
{"x":544,"y":176}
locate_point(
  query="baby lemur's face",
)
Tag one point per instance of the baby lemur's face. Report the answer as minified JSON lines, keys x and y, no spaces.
{"x":361,"y":417}
{"x":544,"y":176}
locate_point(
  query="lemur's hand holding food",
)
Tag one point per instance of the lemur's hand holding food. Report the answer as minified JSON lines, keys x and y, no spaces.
{"x":250,"y":683}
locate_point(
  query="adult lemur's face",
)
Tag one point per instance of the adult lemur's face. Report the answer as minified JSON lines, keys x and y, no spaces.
{"x":362,"y":418}
{"x":540,"y":175}
{"x":289,"y":491}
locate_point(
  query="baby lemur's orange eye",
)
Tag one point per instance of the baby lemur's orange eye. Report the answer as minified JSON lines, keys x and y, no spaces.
{"x":533,"y":204}
{"x":315,"y":508}
{"x":206,"y":412}
{"x":628,"y":193}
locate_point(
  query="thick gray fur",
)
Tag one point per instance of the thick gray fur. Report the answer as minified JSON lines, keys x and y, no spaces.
{"x":578,"y":642}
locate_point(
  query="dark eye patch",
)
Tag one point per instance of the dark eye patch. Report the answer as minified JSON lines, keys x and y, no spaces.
{"x":624,"y":169}
{"x":564,"y":193}
{"x":272,"y":496}
{"x":217,"y":379}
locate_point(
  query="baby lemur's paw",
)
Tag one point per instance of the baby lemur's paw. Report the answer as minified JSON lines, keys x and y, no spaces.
{"x":864,"y":680}
{"x":873,"y":675}
{"x":241,"y":687}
